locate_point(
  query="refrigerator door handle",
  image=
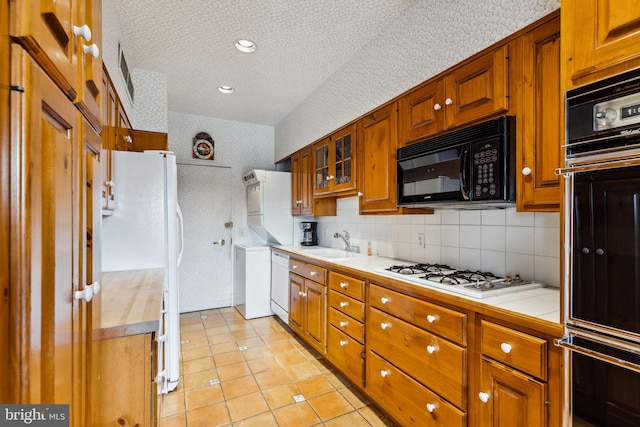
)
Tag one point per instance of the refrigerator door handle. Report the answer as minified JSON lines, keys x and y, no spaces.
{"x":181,"y":231}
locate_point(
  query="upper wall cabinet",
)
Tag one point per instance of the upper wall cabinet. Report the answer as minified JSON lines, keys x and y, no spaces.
{"x":44,"y":29}
{"x":599,"y":38}
{"x":302,"y":201}
{"x":472,"y":91}
{"x":335,"y":162}
{"x":377,"y":161}
{"x":89,"y":61}
{"x":538,"y":100}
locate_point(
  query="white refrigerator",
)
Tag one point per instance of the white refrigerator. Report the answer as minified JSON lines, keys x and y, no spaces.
{"x":145,"y":231}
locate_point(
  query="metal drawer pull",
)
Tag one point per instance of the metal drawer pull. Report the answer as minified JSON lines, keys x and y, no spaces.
{"x":505,"y":347}
{"x":484,"y":397}
{"x":431,"y":318}
{"x":343,"y":342}
{"x":431,"y":349}
{"x":343,"y":303}
{"x":384,"y":372}
{"x":343,"y":324}
{"x":344,"y":285}
{"x":431,"y":407}
{"x":384,"y":300}
{"x":385,"y":325}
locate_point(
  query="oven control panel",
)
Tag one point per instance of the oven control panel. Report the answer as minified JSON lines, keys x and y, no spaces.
{"x":486,"y":179}
{"x":617,"y":112}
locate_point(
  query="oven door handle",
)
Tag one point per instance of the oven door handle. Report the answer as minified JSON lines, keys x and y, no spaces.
{"x":464,"y":158}
{"x":601,"y":350}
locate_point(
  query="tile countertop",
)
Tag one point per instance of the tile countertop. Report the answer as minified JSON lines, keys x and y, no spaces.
{"x":541,"y":303}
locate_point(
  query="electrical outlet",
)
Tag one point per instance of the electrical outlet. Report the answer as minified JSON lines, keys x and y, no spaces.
{"x":420,"y":240}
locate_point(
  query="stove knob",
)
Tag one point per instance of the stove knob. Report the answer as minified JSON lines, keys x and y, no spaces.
{"x":599,"y":251}
{"x":585,"y":251}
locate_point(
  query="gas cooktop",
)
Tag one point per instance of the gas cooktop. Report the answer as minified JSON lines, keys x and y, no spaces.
{"x":477,"y":284}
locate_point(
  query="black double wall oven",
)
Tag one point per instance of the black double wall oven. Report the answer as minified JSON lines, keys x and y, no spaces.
{"x":602,"y":252}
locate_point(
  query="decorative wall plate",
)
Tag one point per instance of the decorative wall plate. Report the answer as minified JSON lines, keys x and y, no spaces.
{"x":203,"y":146}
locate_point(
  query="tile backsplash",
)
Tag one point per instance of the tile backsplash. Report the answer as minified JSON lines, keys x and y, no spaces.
{"x":502,"y":241}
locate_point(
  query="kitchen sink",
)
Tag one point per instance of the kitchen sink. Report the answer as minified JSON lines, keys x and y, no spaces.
{"x":332,"y":253}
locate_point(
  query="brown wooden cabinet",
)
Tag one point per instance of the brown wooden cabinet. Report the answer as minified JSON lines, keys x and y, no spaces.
{"x":302,"y":200}
{"x":50,"y":342}
{"x":109,"y":102}
{"x":513,"y":374}
{"x":414,"y":337}
{"x":148,"y":140}
{"x":600,"y":38}
{"x":308,"y":303}
{"x":89,"y":67}
{"x":539,"y":118}
{"x":345,"y":346}
{"x":377,"y":161}
{"x":474,"y":90}
{"x":334,"y":163}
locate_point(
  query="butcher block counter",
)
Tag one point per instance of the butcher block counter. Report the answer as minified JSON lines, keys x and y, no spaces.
{"x":131,"y":303}
{"x":126,"y":348}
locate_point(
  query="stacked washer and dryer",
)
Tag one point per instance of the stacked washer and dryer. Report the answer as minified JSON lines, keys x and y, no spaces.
{"x":269,"y":216}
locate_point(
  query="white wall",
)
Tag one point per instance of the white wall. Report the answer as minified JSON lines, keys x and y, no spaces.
{"x":499,"y":240}
{"x":429,"y":38}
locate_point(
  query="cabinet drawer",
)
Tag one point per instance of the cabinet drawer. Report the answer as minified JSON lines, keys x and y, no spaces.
{"x":347,"y":354}
{"x":347,"y":285}
{"x":442,"y":321}
{"x":346,"y":324}
{"x":515,"y":349}
{"x":409,"y":402}
{"x":347,"y":305}
{"x":310,"y":271}
{"x":431,"y":360}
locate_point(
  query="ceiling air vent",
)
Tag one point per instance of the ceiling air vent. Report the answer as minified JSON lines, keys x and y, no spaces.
{"x":124,"y":68}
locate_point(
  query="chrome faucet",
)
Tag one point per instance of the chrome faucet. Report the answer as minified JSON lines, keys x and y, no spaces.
{"x":347,"y":239}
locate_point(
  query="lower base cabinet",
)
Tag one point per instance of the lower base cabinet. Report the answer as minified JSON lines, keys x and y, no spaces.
{"x":406,"y":400}
{"x":509,"y":397}
{"x":125,"y":389}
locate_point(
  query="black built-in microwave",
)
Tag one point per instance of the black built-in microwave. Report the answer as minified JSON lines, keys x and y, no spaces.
{"x":469,"y":168}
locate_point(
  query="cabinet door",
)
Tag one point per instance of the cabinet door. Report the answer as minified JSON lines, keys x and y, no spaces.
{"x":45,"y":242}
{"x":540,"y":120}
{"x":89,"y":67}
{"x":477,"y":89}
{"x":43,"y":28}
{"x":306,"y":182}
{"x":421,"y":112}
{"x":377,"y":158}
{"x":296,"y":178}
{"x":107,"y":134}
{"x":322,"y":174}
{"x":90,"y":243}
{"x":124,"y":140}
{"x":296,"y":303}
{"x":343,"y":165}
{"x":599,"y":34}
{"x":316,"y":312}
{"x":509,"y":398}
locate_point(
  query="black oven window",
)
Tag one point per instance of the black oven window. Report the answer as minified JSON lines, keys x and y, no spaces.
{"x":606,"y":249}
{"x":432,"y":173}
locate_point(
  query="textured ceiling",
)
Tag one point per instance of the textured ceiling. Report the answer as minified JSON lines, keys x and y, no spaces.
{"x":300,"y":44}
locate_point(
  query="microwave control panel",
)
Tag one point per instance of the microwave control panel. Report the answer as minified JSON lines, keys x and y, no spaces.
{"x":485,"y":170}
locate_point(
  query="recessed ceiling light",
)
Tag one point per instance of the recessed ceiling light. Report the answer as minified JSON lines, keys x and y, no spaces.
{"x":225,"y":89}
{"x":246,"y":46}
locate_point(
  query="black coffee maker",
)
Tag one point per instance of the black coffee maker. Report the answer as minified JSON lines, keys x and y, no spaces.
{"x":309,"y":233}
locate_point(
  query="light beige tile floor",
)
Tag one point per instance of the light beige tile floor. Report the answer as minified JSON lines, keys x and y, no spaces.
{"x":237,"y":372}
